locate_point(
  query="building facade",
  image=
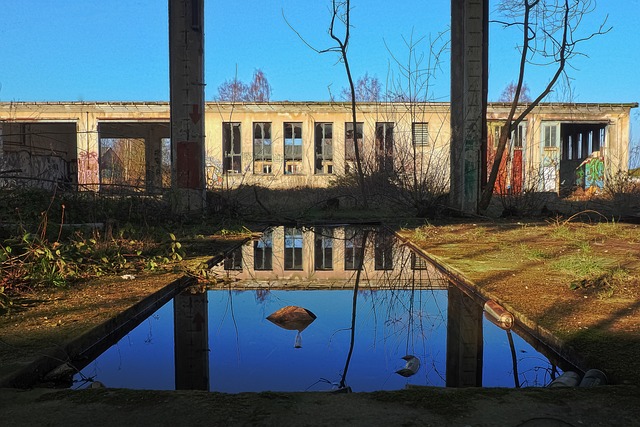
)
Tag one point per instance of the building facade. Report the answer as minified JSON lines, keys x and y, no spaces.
{"x":126,"y":145}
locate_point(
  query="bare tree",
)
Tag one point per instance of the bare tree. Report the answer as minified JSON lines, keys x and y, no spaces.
{"x":509,"y":93}
{"x":232,"y":91}
{"x":259,"y":90}
{"x":550,"y":36}
{"x":367,"y":89}
{"x":341,"y":15}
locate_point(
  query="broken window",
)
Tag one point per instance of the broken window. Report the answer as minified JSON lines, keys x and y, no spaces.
{"x":418,"y":263}
{"x":122,"y":164}
{"x":292,"y":248}
{"x":262,"y":153}
{"x":263,"y":252}
{"x":233,"y":261}
{"x":231,"y":147}
{"x":383,"y":250}
{"x":323,"y":246}
{"x":349,"y":145}
{"x":324,"y":148}
{"x":293,"y":148}
{"x":420,"y":134}
{"x":384,"y":147}
{"x":519,"y":135}
{"x":353,"y":244}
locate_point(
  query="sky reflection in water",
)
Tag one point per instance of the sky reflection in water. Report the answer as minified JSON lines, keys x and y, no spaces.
{"x":249,"y":353}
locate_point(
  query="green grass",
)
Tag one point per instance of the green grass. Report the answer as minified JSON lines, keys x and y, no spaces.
{"x":580,"y":265}
{"x":532,"y":253}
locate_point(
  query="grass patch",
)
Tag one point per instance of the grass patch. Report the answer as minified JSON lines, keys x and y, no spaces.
{"x":580,"y":265}
{"x":534,"y":254}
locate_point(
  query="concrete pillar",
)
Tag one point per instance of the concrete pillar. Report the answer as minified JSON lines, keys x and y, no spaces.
{"x":88,"y":152}
{"x":464,"y":340}
{"x":469,"y":59}
{"x":191,"y":340}
{"x":186,"y":75}
{"x":153,"y":159}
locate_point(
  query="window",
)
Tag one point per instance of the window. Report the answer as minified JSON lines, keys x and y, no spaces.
{"x":420,"y":134}
{"x":349,"y":146}
{"x":418,"y":263}
{"x":263,"y":252}
{"x":292,"y":148}
{"x":231,"y":147}
{"x":233,"y":261}
{"x":353,"y":245}
{"x":383,"y":250}
{"x":519,"y":135}
{"x":384,"y":147}
{"x":550,"y":135}
{"x":323,"y":246}
{"x":292,"y":248}
{"x":262,"y":154}
{"x":324,"y":148}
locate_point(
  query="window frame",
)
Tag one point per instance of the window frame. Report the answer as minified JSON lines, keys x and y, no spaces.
{"x":323,"y":148}
{"x":262,"y":164}
{"x":293,"y":160}
{"x":423,"y":140}
{"x":384,"y":146}
{"x":229,"y":160}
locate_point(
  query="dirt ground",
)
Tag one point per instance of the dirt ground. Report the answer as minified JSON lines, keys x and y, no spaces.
{"x":595,"y":312}
{"x":598,"y":406}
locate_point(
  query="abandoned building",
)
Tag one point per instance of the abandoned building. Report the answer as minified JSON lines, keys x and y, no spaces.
{"x":100,"y":146}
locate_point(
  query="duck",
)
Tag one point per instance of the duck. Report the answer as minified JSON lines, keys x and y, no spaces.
{"x":411,"y":366}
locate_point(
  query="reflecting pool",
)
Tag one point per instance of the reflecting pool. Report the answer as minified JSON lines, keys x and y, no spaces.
{"x":374,"y":301}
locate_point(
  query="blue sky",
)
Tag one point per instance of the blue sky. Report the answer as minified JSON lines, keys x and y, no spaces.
{"x":118,"y":50}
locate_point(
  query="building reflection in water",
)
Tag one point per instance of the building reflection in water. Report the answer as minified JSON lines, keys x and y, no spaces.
{"x":221,"y":341}
{"x":328,"y":257}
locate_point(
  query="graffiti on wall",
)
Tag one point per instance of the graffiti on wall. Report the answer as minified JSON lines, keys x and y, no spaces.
{"x":88,"y":172}
{"x":214,"y":172}
{"x":590,"y":173}
{"x":25,"y":168}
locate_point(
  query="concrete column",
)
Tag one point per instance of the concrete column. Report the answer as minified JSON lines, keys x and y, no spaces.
{"x":191,"y":340}
{"x":464,"y":340}
{"x":469,"y":59}
{"x":153,"y":159}
{"x":186,"y":74}
{"x":88,"y":152}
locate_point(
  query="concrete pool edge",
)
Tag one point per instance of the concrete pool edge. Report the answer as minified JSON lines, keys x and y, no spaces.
{"x":529,"y":326}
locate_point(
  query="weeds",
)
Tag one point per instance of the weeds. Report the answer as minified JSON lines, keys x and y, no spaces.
{"x":580,"y":265}
{"x":5,"y":301}
{"x":605,"y":285}
{"x":32,"y":261}
{"x":534,"y":254}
